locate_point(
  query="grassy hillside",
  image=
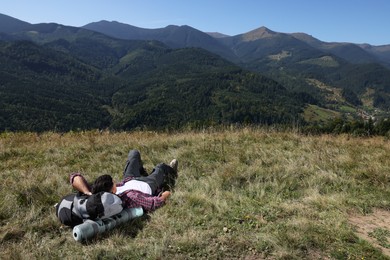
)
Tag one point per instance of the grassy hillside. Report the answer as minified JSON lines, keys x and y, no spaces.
{"x":241,"y":193}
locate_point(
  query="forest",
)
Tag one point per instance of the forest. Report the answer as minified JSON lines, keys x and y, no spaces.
{"x":59,"y":78}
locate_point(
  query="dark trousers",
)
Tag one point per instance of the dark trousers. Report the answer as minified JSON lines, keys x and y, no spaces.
{"x":161,"y":175}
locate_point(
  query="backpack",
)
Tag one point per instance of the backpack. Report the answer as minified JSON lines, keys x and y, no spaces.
{"x":73,"y":209}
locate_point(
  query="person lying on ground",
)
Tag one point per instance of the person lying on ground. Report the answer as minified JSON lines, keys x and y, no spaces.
{"x":136,"y":190}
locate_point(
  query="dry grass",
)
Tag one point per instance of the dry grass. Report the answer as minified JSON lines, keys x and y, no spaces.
{"x":241,"y":193}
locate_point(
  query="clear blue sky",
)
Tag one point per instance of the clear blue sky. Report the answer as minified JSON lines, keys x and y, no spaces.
{"x":357,"y":21}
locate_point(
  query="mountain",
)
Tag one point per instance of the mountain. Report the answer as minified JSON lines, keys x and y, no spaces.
{"x":304,"y":64}
{"x":261,"y":43}
{"x":191,"y":87}
{"x":42,"y":89}
{"x":186,"y":36}
{"x":381,"y":52}
{"x":348,"y":51}
{"x":261,"y":50}
{"x":172,"y":35}
{"x":9,"y":24}
{"x":65,"y":78}
{"x":179,"y":76}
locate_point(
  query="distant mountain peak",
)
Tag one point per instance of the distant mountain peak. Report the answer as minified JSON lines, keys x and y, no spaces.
{"x":259,"y":33}
{"x":108,"y":24}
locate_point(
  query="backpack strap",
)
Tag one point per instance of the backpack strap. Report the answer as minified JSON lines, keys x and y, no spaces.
{"x":66,"y":213}
{"x":94,"y":206}
{"x":80,"y":206}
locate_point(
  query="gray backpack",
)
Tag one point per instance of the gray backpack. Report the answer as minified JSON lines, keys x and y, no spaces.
{"x":73,"y":209}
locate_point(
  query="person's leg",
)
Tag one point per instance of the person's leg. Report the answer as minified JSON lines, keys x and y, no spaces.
{"x":134,"y":167}
{"x":161,"y":175}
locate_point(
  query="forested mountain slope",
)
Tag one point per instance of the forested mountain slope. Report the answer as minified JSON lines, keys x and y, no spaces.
{"x":61,"y":77}
{"x":73,"y":78}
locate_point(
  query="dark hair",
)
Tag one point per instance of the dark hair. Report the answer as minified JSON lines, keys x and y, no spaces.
{"x":102,"y":183}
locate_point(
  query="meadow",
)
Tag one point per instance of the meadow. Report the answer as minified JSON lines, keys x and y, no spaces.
{"x":243,"y":193}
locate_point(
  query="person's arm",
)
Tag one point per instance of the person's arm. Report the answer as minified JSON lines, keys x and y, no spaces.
{"x":149,"y":203}
{"x":79,"y":183}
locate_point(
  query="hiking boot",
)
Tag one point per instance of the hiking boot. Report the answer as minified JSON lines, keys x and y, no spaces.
{"x":170,"y":180}
{"x":174,"y":164}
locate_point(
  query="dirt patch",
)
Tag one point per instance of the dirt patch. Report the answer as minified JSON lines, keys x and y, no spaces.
{"x":374,"y":228}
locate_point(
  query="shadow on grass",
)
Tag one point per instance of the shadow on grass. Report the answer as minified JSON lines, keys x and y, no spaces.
{"x":132,"y":228}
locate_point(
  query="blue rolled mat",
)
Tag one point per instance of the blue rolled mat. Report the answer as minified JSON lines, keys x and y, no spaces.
{"x":91,"y":228}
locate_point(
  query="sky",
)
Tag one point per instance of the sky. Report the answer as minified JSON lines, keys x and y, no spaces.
{"x":355,"y":21}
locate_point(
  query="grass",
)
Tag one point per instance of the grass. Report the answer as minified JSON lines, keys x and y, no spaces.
{"x":241,"y":193}
{"x":315,"y":113}
{"x":347,"y":109}
{"x":325,"y":61}
{"x":382,"y":236}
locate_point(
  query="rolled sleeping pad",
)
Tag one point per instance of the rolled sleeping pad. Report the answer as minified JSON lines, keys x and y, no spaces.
{"x":91,"y":228}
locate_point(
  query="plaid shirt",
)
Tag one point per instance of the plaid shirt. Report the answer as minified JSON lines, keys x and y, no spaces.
{"x":133,"y":198}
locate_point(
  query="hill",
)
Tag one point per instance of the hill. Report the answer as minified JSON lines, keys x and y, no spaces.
{"x":294,"y":60}
{"x":241,"y":193}
{"x":128,"y":84}
{"x":172,"y":35}
{"x":349,"y":51}
{"x":9,"y":24}
{"x":43,"y":89}
{"x":216,"y":80}
{"x":186,"y":36}
{"x":381,"y":52}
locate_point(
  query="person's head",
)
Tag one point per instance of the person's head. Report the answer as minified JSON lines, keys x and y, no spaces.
{"x":103,"y":183}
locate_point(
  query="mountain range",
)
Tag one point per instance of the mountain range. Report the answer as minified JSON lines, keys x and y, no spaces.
{"x":229,"y":46}
{"x":174,"y":76}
